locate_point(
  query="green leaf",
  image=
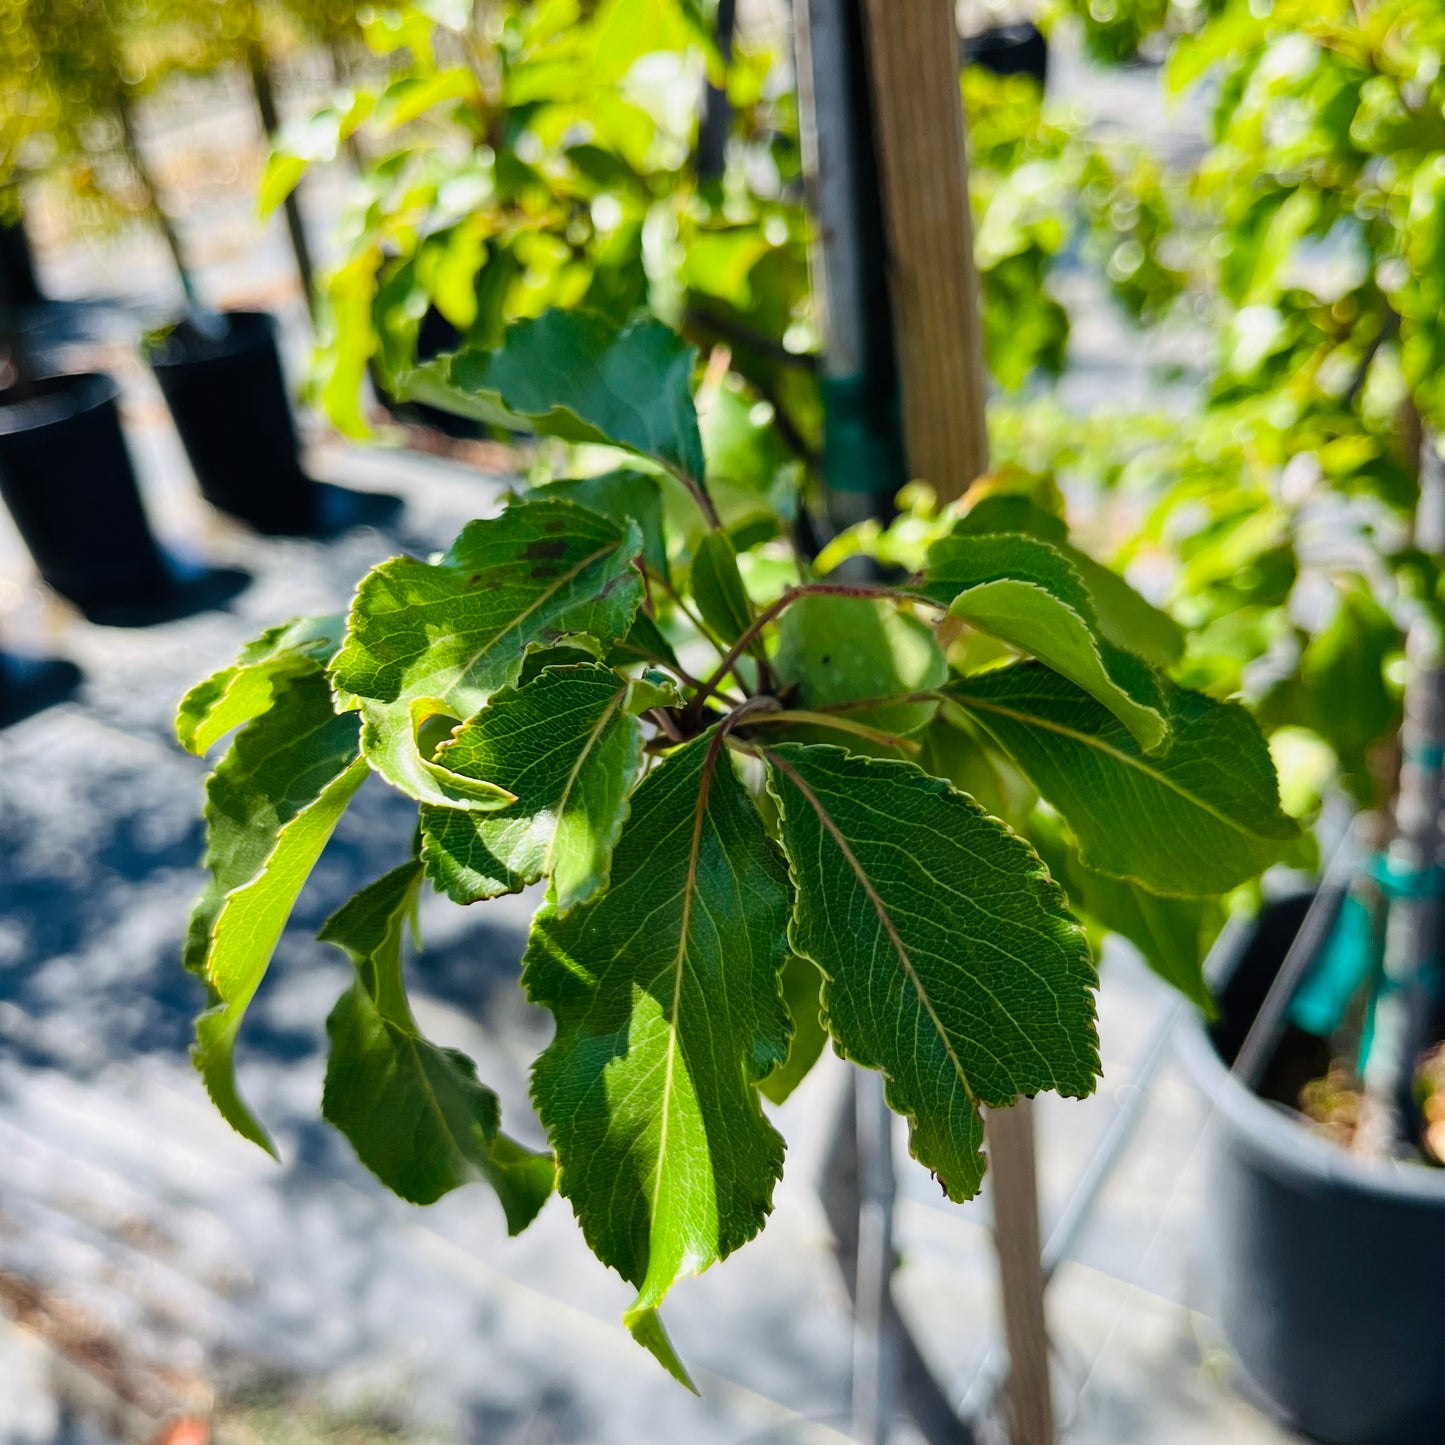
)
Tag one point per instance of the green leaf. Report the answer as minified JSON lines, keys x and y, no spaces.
{"x":717,"y":587}
{"x":271,"y":773}
{"x":271,"y":805}
{"x":569,"y":750}
{"x":665,"y":992}
{"x":1026,"y":594}
{"x":845,"y":649}
{"x":951,"y":962}
{"x":246,"y":688}
{"x":1125,"y":618}
{"x":436,"y":640}
{"x":802,"y":986}
{"x":1198,"y":819}
{"x":410,"y":96}
{"x":572,"y":375}
{"x":415,"y":1114}
{"x":644,"y":643}
{"x":1170,"y":933}
{"x":652,"y":689}
{"x":621,"y":496}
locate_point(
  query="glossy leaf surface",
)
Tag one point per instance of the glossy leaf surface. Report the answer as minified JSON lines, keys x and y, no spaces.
{"x":568,"y":748}
{"x":1125,"y":618}
{"x":572,"y":375}
{"x":665,"y":992}
{"x":1026,"y":594}
{"x":622,"y":496}
{"x":438,"y":639}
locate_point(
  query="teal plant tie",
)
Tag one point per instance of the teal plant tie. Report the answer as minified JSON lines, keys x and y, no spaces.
{"x":1345,"y":961}
{"x":1339,"y":969}
{"x":862,"y":444}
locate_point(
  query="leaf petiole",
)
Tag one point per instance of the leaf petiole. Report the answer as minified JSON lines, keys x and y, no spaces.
{"x":776,"y":609}
{"x":844,"y":725}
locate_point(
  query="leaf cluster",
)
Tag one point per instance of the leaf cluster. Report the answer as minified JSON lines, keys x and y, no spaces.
{"x":770,"y":806}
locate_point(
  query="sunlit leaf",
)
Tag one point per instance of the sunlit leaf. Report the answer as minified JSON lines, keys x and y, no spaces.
{"x":435,"y":640}
{"x":665,"y":991}
{"x":568,"y":748}
{"x":246,"y":688}
{"x":1199,"y":818}
{"x":1026,"y":594}
{"x":271,"y":805}
{"x":572,"y":375}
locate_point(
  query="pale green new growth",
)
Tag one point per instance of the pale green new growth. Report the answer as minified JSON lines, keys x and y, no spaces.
{"x":1026,"y":594}
{"x":234,"y":695}
{"x":270,"y":806}
{"x":1124,"y":617}
{"x":802,"y":986}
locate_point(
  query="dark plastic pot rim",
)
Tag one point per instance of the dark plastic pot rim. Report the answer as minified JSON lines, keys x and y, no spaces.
{"x":1288,"y":1144}
{"x":246,"y":332}
{"x":56,"y":400}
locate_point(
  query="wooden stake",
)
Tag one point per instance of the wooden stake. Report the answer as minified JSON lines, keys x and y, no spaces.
{"x":1010,"y":1134}
{"x":913,"y":61}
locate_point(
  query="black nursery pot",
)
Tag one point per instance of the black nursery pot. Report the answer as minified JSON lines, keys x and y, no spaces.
{"x":1327,"y":1271}
{"x":435,"y":335}
{"x":18,"y":283}
{"x":67,"y":480}
{"x":1010,"y":50}
{"x":228,"y":398}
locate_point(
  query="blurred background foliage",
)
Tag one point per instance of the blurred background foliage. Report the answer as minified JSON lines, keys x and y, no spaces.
{"x":510,"y":157}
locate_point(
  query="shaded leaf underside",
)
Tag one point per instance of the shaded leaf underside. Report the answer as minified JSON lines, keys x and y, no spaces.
{"x":416,"y":1114}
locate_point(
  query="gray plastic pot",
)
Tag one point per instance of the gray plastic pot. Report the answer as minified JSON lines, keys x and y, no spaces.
{"x":1326,"y":1272}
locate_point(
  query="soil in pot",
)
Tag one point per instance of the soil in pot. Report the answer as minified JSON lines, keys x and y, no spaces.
{"x":227,"y":395}
{"x":66,"y":477}
{"x":1325,"y":1269}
